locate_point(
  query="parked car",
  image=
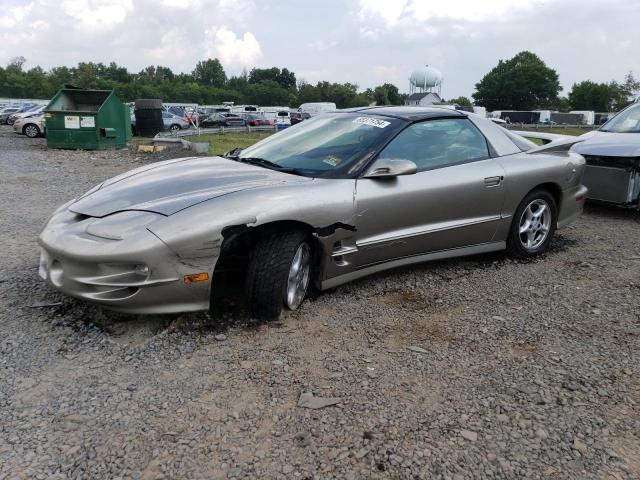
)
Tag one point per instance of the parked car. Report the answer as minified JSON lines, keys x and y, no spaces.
{"x":31,"y":125}
{"x":197,"y":116}
{"x":282,"y":119}
{"x":176,"y":110}
{"x":6,"y":112}
{"x":327,"y":201}
{"x":174,"y":122}
{"x":613,"y":159}
{"x":26,"y":111}
{"x":297,"y":117}
{"x":255,"y":119}
{"x":223,"y":119}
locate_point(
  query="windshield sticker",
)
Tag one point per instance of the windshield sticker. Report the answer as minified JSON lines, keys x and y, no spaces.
{"x":331,"y":160}
{"x":372,"y":122}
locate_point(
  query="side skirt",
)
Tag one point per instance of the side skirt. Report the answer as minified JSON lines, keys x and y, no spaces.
{"x":400,"y":262}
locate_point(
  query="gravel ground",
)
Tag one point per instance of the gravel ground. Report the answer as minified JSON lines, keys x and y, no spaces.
{"x":482,"y":367}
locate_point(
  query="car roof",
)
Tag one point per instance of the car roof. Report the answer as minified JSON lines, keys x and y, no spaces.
{"x":412,"y":114}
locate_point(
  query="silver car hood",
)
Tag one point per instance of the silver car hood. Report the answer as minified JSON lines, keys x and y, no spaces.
{"x":609,"y":144}
{"x":171,"y":186}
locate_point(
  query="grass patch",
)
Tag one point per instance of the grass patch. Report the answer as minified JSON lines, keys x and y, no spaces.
{"x":220,"y":143}
{"x":557,"y":130}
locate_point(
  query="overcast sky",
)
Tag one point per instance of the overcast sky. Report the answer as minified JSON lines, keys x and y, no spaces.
{"x":367,"y":42}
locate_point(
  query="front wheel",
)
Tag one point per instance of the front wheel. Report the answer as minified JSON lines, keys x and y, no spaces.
{"x":278,"y":274}
{"x":174,"y":128}
{"x":31,"y":130}
{"x":533,"y":225}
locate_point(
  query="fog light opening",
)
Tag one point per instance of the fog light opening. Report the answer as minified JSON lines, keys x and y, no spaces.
{"x":56,"y":273}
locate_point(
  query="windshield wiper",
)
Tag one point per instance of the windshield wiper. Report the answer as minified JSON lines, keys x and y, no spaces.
{"x":261,"y":162}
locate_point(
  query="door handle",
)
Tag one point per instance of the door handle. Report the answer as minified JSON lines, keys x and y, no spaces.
{"x":492,"y":181}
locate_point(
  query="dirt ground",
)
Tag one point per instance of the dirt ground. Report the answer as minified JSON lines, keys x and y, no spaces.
{"x":481,"y":367}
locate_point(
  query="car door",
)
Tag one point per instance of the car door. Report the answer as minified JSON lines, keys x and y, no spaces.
{"x":454,"y":200}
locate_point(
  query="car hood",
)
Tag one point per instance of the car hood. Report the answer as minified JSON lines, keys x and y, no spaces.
{"x":609,"y":144}
{"x":171,"y":186}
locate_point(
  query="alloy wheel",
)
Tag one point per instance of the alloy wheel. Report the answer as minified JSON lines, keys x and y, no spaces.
{"x":31,"y":131}
{"x":298,"y":278}
{"x":535,"y":224}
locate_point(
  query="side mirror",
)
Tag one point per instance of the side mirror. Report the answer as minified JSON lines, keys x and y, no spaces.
{"x":389,"y":168}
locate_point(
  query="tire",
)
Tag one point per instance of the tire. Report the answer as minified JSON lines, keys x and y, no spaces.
{"x":175,"y":127}
{"x":148,"y":103}
{"x":31,"y":130}
{"x":269,"y":274}
{"x":533,"y":225}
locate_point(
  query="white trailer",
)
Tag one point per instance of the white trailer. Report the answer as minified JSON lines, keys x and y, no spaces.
{"x":247,"y":109}
{"x":279,"y":115}
{"x":545,"y":116}
{"x":316,"y":108}
{"x":482,"y":111}
{"x":589,"y":116}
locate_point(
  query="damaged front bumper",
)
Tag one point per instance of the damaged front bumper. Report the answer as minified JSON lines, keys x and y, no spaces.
{"x":139,"y":274}
{"x":614,"y":180}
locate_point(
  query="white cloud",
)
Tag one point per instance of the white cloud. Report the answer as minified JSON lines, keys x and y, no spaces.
{"x":14,"y":16}
{"x":102,"y":14}
{"x":469,"y":10}
{"x":233,"y":51}
{"x":182,"y":4}
{"x":322,"y":45}
{"x":387,"y":10}
{"x":174,"y":44}
{"x":367,"y":42}
{"x":391,"y":12}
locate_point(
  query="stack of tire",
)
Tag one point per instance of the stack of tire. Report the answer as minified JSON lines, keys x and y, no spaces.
{"x":149,"y":117}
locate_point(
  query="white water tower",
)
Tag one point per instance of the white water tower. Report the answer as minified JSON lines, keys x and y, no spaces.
{"x":425,"y":79}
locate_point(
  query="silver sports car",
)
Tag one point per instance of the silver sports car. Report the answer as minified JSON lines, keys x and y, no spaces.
{"x":327,"y":201}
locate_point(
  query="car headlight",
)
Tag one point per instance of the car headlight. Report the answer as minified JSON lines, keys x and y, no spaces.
{"x":121,"y":225}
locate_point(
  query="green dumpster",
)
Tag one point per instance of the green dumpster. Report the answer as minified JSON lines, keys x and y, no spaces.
{"x":87,"y":120}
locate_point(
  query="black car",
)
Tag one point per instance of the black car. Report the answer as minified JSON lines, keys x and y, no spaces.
{"x":297,"y":117}
{"x":221,"y":119}
{"x":255,"y":119}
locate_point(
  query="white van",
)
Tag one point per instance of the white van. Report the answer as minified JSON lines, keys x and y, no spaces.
{"x":283,"y":119}
{"x":316,"y":108}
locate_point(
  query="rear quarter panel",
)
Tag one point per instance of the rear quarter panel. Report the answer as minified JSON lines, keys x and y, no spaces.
{"x":524,"y":172}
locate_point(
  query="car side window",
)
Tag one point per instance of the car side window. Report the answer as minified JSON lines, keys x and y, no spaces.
{"x":438,"y":143}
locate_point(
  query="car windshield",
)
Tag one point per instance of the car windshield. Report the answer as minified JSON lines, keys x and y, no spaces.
{"x":334,"y":145}
{"x":627,"y":121}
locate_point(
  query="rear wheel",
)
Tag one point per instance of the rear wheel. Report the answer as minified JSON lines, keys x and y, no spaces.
{"x":278,"y":274}
{"x":533,"y":225}
{"x":31,"y":130}
{"x":175,"y":127}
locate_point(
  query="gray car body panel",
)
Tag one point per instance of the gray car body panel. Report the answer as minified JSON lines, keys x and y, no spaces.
{"x":613,"y":162}
{"x":172,"y":186}
{"x":608,"y":179}
{"x":362,"y":225}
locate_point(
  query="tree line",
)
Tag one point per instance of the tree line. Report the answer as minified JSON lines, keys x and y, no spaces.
{"x":207,"y":84}
{"x":523,"y":82}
